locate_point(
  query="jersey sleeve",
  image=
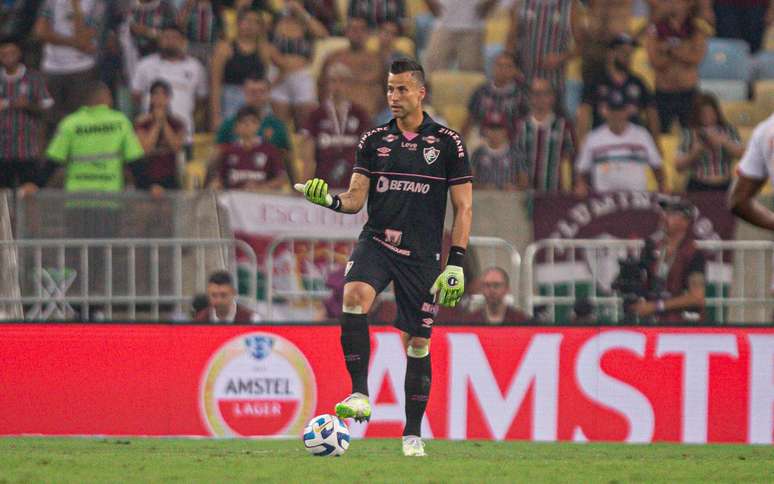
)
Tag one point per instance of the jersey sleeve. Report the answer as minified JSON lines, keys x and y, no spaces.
{"x":131,"y":148}
{"x":59,"y":148}
{"x":364,"y":156}
{"x":753,"y":163}
{"x":654,"y":157}
{"x":458,"y":169}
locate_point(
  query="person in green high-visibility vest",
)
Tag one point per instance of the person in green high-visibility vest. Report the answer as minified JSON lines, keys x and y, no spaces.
{"x":93,"y":146}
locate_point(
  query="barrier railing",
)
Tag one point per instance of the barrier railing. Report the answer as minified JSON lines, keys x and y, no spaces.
{"x":558,"y":271}
{"x":110,"y":275}
{"x":329,"y":252}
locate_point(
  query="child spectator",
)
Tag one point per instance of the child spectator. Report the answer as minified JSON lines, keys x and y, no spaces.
{"x":250,"y":163}
{"x":502,"y":94}
{"x":494,"y":163}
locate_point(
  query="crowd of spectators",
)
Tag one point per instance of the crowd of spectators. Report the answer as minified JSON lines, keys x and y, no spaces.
{"x":181,"y":67}
{"x":116,"y":92}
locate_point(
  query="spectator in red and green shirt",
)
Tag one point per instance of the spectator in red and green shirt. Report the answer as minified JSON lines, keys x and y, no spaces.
{"x":23,"y":98}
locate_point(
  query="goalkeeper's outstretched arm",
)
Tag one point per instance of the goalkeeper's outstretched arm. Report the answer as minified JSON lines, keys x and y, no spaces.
{"x":351,"y":201}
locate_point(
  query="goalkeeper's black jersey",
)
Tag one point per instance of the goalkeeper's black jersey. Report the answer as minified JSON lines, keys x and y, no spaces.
{"x":410,"y":175}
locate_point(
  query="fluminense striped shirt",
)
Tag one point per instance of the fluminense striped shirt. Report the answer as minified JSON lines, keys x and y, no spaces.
{"x":153,"y":15}
{"x":202,"y":24}
{"x":540,"y":149}
{"x":489,"y":99}
{"x":543,"y":28}
{"x":378,"y":11}
{"x":20,"y":130}
{"x":495,"y":168}
{"x":714,"y":161}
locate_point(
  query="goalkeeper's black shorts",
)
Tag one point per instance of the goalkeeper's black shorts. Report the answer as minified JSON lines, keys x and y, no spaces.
{"x":377,"y":267}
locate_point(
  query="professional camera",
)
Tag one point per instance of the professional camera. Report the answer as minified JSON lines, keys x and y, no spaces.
{"x":635,"y":279}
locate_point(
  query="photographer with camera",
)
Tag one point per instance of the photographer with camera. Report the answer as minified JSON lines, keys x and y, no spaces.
{"x":674,"y":268}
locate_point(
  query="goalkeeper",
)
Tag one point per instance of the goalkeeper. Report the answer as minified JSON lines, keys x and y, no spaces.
{"x":404,"y":169}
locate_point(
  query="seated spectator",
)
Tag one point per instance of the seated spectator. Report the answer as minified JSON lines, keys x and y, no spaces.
{"x":618,"y":76}
{"x":68,"y":30}
{"x":680,"y":268}
{"x":458,"y":35}
{"x":294,"y":94}
{"x":250,"y":163}
{"x":201,"y":24}
{"x":708,"y":148}
{"x":746,"y":20}
{"x":544,"y":140}
{"x":332,"y":132}
{"x":368,"y":73}
{"x":494,"y":162}
{"x":178,"y":69}
{"x":616,"y":155}
{"x":377,"y":12}
{"x":233,"y":62}
{"x":503,"y":94}
{"x":537,"y":54}
{"x":676,"y":46}
{"x":223,"y":307}
{"x":162,"y":135}
{"x":23,"y":101}
{"x":272,"y":130}
{"x":582,"y":312}
{"x":146,"y":20}
{"x":495,"y":286}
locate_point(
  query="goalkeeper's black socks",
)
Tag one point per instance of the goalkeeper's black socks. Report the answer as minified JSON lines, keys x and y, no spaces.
{"x":417,"y":386}
{"x":357,"y":349}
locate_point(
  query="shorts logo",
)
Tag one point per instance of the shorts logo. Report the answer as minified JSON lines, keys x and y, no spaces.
{"x":348,"y":267}
{"x":393,"y":236}
{"x":427,"y":322}
{"x":431,"y":154}
{"x":430,"y":308}
{"x":383,"y":151}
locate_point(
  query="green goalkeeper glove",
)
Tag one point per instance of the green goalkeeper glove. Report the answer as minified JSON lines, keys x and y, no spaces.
{"x":316,"y":191}
{"x":449,"y":286}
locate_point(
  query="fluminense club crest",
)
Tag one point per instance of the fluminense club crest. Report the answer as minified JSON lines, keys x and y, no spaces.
{"x":259,"y":346}
{"x":431,"y":154}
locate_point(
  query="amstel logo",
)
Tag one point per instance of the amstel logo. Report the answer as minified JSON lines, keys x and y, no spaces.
{"x":257,"y":384}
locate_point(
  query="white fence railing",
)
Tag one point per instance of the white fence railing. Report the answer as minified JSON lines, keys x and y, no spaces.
{"x":60,"y":278}
{"x":329,"y":252}
{"x":558,"y":271}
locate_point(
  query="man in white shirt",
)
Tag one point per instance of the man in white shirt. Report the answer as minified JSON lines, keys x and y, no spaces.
{"x":184,"y":73}
{"x":617,"y":154}
{"x":755,"y":167}
{"x":458,"y":34}
{"x":69,"y":30}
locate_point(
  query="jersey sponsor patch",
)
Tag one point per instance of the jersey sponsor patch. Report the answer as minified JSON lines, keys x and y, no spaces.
{"x":431,"y":154}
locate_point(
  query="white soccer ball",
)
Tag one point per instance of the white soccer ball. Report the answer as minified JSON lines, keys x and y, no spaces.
{"x":326,"y":435}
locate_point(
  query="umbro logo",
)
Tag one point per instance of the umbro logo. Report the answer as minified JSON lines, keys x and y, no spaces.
{"x":383,"y":151}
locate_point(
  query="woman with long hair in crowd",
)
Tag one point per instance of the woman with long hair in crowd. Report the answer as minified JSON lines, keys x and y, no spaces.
{"x":709,"y":146}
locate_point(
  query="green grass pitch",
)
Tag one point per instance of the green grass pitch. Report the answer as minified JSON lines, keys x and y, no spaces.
{"x":374,"y":460}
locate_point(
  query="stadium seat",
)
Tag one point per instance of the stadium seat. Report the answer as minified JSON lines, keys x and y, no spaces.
{"x":454,"y":87}
{"x":725,"y":90}
{"x":726,"y":59}
{"x":742,"y":113}
{"x":496,"y":28}
{"x":322,"y":49}
{"x":455,"y":115}
{"x":641,"y":67}
{"x":572,"y":96}
{"x":762,"y":66}
{"x":404,"y":45}
{"x":764,"y":94}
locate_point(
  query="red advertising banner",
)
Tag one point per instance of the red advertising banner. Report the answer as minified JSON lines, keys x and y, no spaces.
{"x":574,"y":384}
